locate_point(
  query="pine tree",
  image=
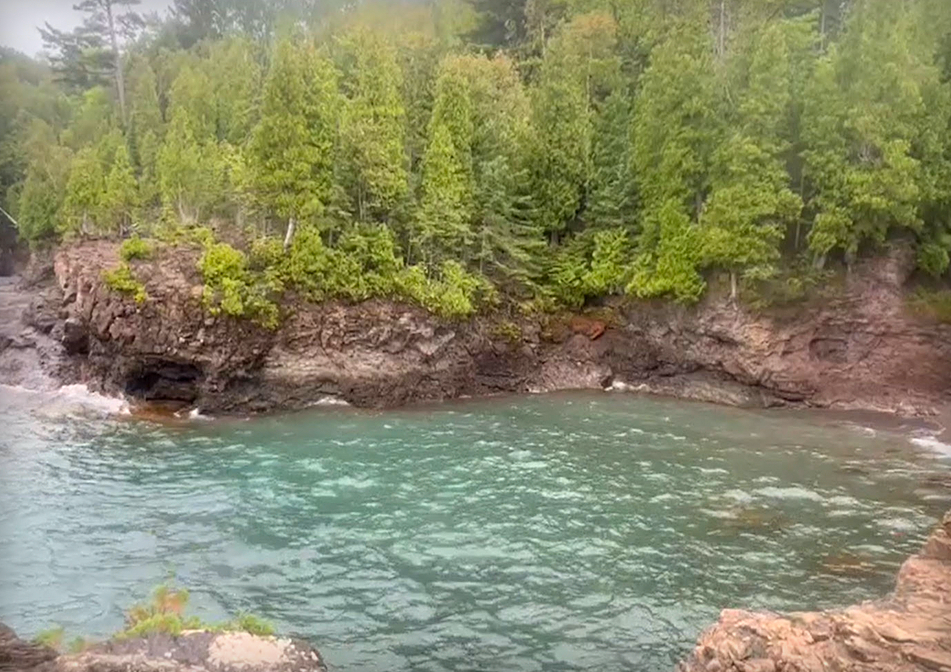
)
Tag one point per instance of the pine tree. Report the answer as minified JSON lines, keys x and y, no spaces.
{"x":103,"y":27}
{"x":610,"y":200}
{"x":859,"y":126}
{"x":84,"y":192}
{"x":751,"y":202}
{"x":675,"y":132}
{"x":182,"y":169}
{"x":293,"y":143}
{"x":373,"y":165}
{"x":442,"y":227}
{"x":506,"y":241}
{"x":120,"y":198}
{"x":235,"y":76}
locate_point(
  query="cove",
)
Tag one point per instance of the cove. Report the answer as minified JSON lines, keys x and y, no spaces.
{"x":573,"y":531}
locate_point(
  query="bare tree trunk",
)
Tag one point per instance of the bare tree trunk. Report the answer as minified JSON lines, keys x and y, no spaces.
{"x":733,"y":287}
{"x":120,"y":78}
{"x":721,"y":42}
{"x":289,"y":236}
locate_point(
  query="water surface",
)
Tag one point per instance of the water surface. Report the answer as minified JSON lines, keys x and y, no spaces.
{"x":564,"y":532}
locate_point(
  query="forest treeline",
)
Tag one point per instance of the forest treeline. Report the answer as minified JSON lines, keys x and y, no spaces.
{"x":461,"y":152}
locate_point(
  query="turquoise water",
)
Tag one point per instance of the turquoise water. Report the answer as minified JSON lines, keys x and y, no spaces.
{"x":580,"y":531}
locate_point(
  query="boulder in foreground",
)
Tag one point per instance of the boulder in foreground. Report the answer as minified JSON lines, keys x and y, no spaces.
{"x":909,"y":631}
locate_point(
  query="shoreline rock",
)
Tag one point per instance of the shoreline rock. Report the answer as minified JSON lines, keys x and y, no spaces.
{"x":908,"y":631}
{"x":198,"y":651}
{"x":859,"y":351}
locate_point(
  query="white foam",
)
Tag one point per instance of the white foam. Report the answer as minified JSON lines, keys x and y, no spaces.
{"x":67,"y":399}
{"x":794,"y":492}
{"x":931,"y":442}
{"x":328,"y":401}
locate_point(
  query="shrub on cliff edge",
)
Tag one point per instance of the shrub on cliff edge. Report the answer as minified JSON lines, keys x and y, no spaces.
{"x":121,"y":279}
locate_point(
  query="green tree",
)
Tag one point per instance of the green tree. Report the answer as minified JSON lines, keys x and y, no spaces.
{"x":187,"y":170}
{"x":235,"y":76}
{"x":372,"y":160}
{"x":751,"y":202}
{"x":120,"y":198}
{"x":442,"y":226}
{"x":294,"y":140}
{"x":41,"y":197}
{"x":859,"y":126}
{"x":84,"y":192}
{"x":675,"y":132}
{"x":611,"y":198}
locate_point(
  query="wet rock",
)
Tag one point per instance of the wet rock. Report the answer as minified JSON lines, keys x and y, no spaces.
{"x":909,"y":631}
{"x":75,"y":337}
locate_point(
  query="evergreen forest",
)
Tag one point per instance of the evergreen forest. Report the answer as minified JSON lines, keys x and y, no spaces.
{"x":463,"y":154}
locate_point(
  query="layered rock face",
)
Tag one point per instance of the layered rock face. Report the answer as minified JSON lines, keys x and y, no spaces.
{"x":197,"y":651}
{"x":862,"y":349}
{"x":910,"y":631}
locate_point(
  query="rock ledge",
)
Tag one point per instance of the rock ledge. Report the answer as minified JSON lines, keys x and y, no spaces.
{"x":909,"y":631}
{"x":197,"y":651}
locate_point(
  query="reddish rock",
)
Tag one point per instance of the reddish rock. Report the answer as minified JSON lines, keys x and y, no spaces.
{"x":909,"y":631}
{"x":860,"y":349}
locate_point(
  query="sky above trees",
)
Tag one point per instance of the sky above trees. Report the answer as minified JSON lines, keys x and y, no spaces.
{"x":19,"y":20}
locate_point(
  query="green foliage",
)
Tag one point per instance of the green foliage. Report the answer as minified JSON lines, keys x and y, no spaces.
{"x":230,"y":287}
{"x":507,"y":331}
{"x":669,"y":266}
{"x":636,"y":147}
{"x":932,"y":304}
{"x":371,"y":167}
{"x":859,"y":123}
{"x":787,"y":286}
{"x":164,"y":613}
{"x":121,"y":279}
{"x":251,"y":624}
{"x":120,"y":198}
{"x":452,"y":293}
{"x":135,"y":248}
{"x":53,"y":638}
{"x":294,"y":141}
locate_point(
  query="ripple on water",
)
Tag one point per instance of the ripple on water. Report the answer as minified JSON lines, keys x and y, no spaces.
{"x":578,"y":531}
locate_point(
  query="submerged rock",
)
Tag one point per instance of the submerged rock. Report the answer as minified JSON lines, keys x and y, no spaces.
{"x":189,"y":652}
{"x":909,"y":631}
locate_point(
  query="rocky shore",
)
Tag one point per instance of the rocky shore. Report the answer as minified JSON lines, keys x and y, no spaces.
{"x":860,"y":349}
{"x":909,"y":631}
{"x":198,"y":651}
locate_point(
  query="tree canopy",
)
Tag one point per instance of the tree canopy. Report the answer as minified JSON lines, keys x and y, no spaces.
{"x":458,"y":151}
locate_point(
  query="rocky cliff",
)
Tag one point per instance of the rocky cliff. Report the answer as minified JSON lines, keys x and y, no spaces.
{"x":861,"y":349}
{"x":909,"y":631}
